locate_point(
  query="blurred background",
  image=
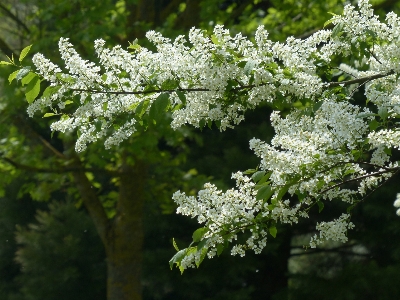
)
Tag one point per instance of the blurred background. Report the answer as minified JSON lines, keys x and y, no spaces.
{"x":56,"y":205}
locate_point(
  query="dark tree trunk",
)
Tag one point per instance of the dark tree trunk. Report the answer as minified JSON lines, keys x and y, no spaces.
{"x":124,"y":251}
{"x":122,"y":236}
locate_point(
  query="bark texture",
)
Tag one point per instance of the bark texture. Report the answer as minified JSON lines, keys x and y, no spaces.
{"x":124,"y":251}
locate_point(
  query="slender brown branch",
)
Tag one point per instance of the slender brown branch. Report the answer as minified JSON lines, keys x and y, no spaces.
{"x":359,"y":80}
{"x":359,"y":178}
{"x":379,"y":186}
{"x":137,"y":92}
{"x":243,"y":87}
{"x":22,"y":124}
{"x":92,"y":202}
{"x":50,"y":147}
{"x":374,"y":56}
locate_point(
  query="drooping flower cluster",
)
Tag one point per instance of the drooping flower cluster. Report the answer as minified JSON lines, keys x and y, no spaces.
{"x":335,"y":230}
{"x":327,"y":148}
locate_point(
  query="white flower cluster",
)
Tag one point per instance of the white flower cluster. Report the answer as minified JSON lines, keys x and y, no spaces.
{"x":397,"y":204}
{"x":334,"y":230}
{"x":327,"y":148}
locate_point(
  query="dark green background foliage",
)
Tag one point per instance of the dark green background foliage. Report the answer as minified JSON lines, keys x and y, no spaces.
{"x":49,"y":248}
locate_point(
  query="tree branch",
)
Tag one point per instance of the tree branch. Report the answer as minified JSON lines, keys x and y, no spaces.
{"x":240,"y":88}
{"x":14,"y":18}
{"x":359,"y":80}
{"x":92,"y":202}
{"x":359,"y":178}
{"x":22,"y":125}
{"x":56,"y":171}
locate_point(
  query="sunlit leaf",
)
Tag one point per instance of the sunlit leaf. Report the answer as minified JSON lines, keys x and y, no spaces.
{"x":24,"y":52}
{"x":199,"y":233}
{"x":32,"y":90}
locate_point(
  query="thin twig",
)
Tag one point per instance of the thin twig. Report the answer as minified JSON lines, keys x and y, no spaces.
{"x":374,"y":56}
{"x":359,"y":178}
{"x":359,"y":80}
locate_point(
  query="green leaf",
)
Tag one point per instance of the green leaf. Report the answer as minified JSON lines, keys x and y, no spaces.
{"x":388,"y":151}
{"x":46,"y":115}
{"x":320,"y":206}
{"x":105,"y":106}
{"x":287,"y":72}
{"x":249,"y":66}
{"x":27,"y":78}
{"x":257,"y":176}
{"x":169,"y":84}
{"x":259,"y":186}
{"x":317,"y":106}
{"x":231,"y":84}
{"x":177,"y":258}
{"x":22,"y":73}
{"x":370,"y":33}
{"x":374,"y":124}
{"x":202,"y":244}
{"x":273,"y":231}
{"x":350,"y":208}
{"x":383,"y":112}
{"x":68,"y":102}
{"x":159,"y":106}
{"x":220,"y":249}
{"x":175,"y":245}
{"x":198,"y":234}
{"x":282,"y":192}
{"x":50,"y":90}
{"x":320,"y":183}
{"x":65,"y":78}
{"x":348,"y":172}
{"x":32,"y":90}
{"x":215,"y":40}
{"x":24,"y":52}
{"x":5,"y":63}
{"x":242,"y":64}
{"x":202,"y":123}
{"x":249,"y":171}
{"x":264,"y":193}
{"x":181,"y":96}
{"x":141,"y":108}
{"x":134,"y":45}
{"x":337,"y":30}
{"x":12,"y":76}
{"x":363,"y":115}
{"x":356,"y":153}
{"x":328,"y":22}
{"x":265,"y":177}
{"x":202,"y":256}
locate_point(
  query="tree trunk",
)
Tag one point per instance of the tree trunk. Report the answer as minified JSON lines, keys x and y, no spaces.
{"x":124,"y":251}
{"x":122,"y":236}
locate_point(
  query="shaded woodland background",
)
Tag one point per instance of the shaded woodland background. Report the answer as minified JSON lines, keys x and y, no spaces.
{"x":65,"y":219}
